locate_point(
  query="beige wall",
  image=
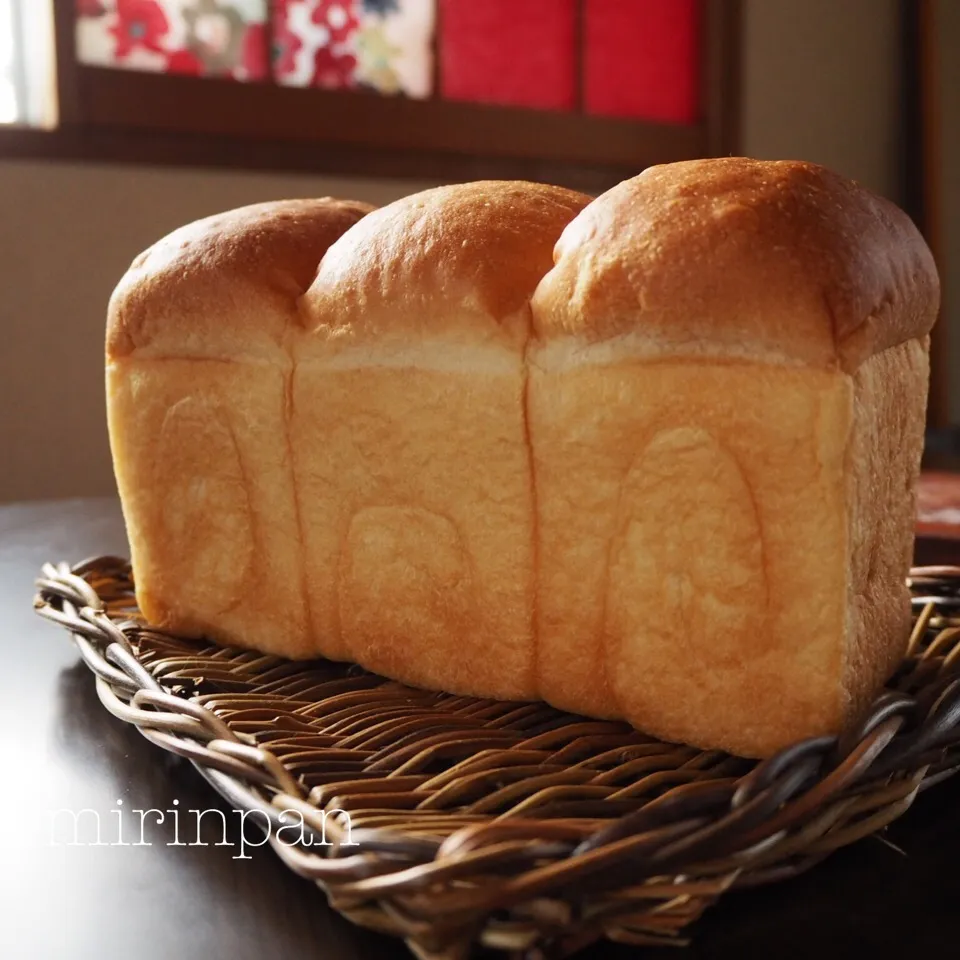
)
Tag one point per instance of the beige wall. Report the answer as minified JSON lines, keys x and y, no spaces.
{"x":821,"y":83}
{"x":67,"y":232}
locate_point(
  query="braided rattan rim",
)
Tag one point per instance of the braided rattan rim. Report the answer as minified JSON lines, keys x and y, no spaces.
{"x":511,"y":826}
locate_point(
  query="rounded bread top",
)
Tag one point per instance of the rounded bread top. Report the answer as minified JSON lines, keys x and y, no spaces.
{"x":777,"y":259}
{"x":226,"y":286}
{"x":461,"y":260}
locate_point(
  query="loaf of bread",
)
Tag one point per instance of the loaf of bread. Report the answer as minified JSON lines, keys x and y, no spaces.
{"x":650,"y":456}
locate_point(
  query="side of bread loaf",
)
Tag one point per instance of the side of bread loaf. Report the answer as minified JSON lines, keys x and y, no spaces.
{"x":692,"y":545}
{"x":659,"y":469}
{"x":886,"y":441}
{"x":198,"y":384}
{"x":409,"y":436}
{"x":727,"y":408}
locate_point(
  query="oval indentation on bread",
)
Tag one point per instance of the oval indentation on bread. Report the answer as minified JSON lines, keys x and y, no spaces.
{"x":686,"y":587}
{"x":201,"y":509}
{"x":404,"y":591}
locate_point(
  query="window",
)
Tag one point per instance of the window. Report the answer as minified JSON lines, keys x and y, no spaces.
{"x":26,"y":63}
{"x":11,"y":79}
{"x":581,"y":92}
{"x":628,"y":58}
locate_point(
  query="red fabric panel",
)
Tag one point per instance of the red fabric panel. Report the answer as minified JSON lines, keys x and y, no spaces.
{"x":641,"y":59}
{"x":514,"y":52}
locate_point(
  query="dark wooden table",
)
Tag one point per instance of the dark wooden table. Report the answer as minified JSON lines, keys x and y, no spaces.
{"x":61,"y":751}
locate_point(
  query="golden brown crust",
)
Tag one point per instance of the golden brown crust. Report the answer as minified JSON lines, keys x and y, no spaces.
{"x":465,"y":257}
{"x":755,"y":258}
{"x":225,"y":286}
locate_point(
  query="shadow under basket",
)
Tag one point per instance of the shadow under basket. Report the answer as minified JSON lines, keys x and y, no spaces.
{"x":510,"y":826}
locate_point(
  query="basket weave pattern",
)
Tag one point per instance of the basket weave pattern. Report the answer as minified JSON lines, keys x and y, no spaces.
{"x":509,"y":825}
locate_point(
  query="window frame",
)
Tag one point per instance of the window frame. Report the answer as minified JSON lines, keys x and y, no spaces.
{"x":131,"y":116}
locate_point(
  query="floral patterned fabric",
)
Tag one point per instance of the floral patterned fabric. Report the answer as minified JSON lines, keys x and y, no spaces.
{"x":382,"y":45}
{"x":222,"y":38}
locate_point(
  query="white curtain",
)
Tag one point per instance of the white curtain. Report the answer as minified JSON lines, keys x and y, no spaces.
{"x":27,"y":71}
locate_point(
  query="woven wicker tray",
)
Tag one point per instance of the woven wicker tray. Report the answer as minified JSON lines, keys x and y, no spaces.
{"x":510,"y":826}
